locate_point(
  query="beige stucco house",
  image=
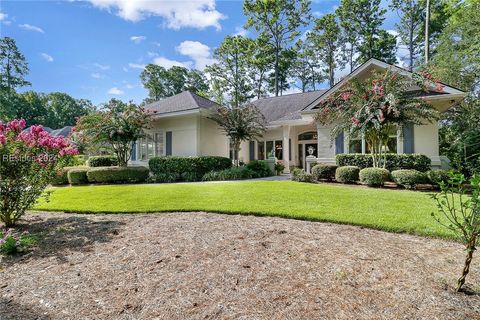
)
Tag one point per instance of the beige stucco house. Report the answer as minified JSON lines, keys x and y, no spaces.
{"x":180,"y":127}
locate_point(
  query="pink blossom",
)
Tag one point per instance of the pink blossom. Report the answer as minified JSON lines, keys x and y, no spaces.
{"x":16,"y":125}
{"x":439,"y":87}
{"x":381,"y":117}
{"x":355,"y":121}
{"x":3,"y":139}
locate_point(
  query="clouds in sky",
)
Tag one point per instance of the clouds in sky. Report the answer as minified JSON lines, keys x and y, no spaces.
{"x":137,"y":39}
{"x":115,"y":91}
{"x":167,"y":63}
{"x":46,"y":57}
{"x":136,"y":66}
{"x":177,"y":14}
{"x":240,"y":31}
{"x":101,"y":66}
{"x":29,"y":27}
{"x":197,"y":51}
{"x":3,"y":16}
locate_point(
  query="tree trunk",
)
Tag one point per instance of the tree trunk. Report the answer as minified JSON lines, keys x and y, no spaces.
{"x":411,"y":31}
{"x":427,"y":33}
{"x":470,"y":249}
{"x":277,"y":53}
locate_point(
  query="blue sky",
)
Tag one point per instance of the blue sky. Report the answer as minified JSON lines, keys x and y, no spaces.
{"x":96,"y":49}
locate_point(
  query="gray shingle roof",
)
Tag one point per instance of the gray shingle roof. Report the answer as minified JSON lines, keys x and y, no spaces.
{"x":286,"y":107}
{"x":183,"y":101}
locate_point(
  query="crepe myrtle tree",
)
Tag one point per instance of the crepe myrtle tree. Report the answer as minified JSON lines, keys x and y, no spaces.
{"x":375,"y":107}
{"x":119,"y":124}
{"x":28,"y":162}
{"x":461,"y":214}
{"x":240,"y":123}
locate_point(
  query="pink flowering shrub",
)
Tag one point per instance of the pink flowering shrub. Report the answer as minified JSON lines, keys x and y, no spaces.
{"x":376,"y":107}
{"x":28,"y":162}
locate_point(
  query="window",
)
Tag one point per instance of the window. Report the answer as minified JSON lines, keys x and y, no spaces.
{"x":355,"y":145}
{"x":312,"y":135}
{"x":279,"y":150}
{"x":150,"y":146}
{"x":269,"y":148}
{"x":359,"y":145}
{"x":261,"y":150}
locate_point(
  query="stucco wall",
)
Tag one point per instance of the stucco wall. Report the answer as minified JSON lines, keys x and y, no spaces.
{"x":425,"y":140}
{"x":213,"y":141}
{"x":184,"y":134}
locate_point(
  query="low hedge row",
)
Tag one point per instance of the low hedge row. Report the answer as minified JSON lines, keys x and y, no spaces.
{"x":236,"y":173}
{"x":374,"y":177}
{"x":171,"y":169}
{"x":347,"y":174}
{"x":83,"y":175}
{"x":394,"y":161}
{"x":102,"y":161}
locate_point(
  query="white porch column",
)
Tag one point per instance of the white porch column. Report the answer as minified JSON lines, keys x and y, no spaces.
{"x":286,"y":148}
{"x":325,"y":149}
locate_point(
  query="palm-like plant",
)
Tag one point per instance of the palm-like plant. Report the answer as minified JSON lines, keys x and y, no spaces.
{"x":375,"y":107}
{"x":242,"y":123}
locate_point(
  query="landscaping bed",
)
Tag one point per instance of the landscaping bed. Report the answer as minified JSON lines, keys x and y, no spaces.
{"x":211,"y":266}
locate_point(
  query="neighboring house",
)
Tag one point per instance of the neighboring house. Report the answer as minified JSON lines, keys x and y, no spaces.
{"x":62,"y":132}
{"x":180,"y":126}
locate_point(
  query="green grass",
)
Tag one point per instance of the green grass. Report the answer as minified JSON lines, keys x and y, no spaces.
{"x":389,"y":210}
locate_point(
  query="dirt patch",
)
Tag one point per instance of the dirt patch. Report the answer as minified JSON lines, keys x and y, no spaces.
{"x":212,"y":266}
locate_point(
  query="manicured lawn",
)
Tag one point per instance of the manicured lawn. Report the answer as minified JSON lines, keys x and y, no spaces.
{"x":389,"y":210}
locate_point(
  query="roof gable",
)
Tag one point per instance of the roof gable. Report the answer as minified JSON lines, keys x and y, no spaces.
{"x":183,"y":101}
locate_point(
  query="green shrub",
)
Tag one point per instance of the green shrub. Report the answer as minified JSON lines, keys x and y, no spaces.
{"x":301,"y":175}
{"x":324,"y":171}
{"x":164,"y":178}
{"x":118,"y":174}
{"x":235,"y":173}
{"x":12,"y":241}
{"x":61,"y":177}
{"x":279,"y":167}
{"x":260,"y":168}
{"x":77,"y":176}
{"x":374,"y":177}
{"x":394,"y":161}
{"x":437,"y":176}
{"x":408,"y":178}
{"x":102,"y":161}
{"x":347,"y":174}
{"x":186,"y":168}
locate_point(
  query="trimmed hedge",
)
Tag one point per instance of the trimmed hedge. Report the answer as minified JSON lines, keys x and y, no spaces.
{"x":408,"y":178}
{"x":324,"y":171}
{"x":61,"y":177}
{"x":186,"y":168}
{"x":102,"y":161}
{"x":347,"y":174}
{"x":260,"y":168}
{"x":374,"y":177}
{"x":437,"y":176}
{"x":235,"y":173}
{"x":118,"y":174}
{"x":301,"y":175}
{"x":77,"y":176}
{"x":394,"y":161}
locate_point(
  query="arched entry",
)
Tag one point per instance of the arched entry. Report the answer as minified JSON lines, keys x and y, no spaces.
{"x":307,"y":144}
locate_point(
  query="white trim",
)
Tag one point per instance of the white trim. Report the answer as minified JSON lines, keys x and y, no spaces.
{"x":175,"y":113}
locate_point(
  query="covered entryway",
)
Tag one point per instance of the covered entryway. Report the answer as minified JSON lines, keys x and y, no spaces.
{"x":307,"y":145}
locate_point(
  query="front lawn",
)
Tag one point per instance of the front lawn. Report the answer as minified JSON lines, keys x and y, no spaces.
{"x":389,"y":210}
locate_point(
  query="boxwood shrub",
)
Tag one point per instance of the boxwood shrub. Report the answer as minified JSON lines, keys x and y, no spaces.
{"x":374,"y":177}
{"x":186,"y":168}
{"x":102,"y":161}
{"x":77,"y":176}
{"x":324,"y":171}
{"x":118,"y":175}
{"x":394,"y":161}
{"x":436,"y":176}
{"x":301,"y":175}
{"x":260,"y":169}
{"x":408,"y":178}
{"x":61,"y":177}
{"x":235,"y":173}
{"x":347,"y":174}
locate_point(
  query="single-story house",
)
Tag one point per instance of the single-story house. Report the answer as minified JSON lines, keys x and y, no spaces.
{"x":181,"y":126}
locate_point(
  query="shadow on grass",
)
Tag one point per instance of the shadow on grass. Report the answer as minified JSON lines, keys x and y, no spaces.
{"x":59,"y":235}
{"x":11,"y":310}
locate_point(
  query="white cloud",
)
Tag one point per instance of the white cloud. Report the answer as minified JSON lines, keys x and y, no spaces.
{"x":156,"y":43}
{"x":240,"y":31}
{"x":97,"y":75}
{"x":152,"y":54}
{"x":129,"y":86}
{"x":115,"y":91}
{"x":125,"y":69}
{"x":199,"y":52}
{"x":137,"y":39}
{"x":177,"y":14}
{"x":47,"y":57}
{"x":402,"y":50}
{"x":167,"y":63}
{"x":3,"y":16}
{"x":136,"y":66}
{"x":101,"y":66}
{"x":29,"y":27}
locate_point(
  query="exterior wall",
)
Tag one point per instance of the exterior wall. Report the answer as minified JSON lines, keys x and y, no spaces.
{"x":184,"y":134}
{"x":426,"y":141}
{"x":213,"y":141}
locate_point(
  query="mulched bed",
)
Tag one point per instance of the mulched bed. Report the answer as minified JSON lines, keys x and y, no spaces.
{"x":213,"y":266}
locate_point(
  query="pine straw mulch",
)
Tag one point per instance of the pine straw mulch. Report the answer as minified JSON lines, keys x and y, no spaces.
{"x":213,"y":266}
